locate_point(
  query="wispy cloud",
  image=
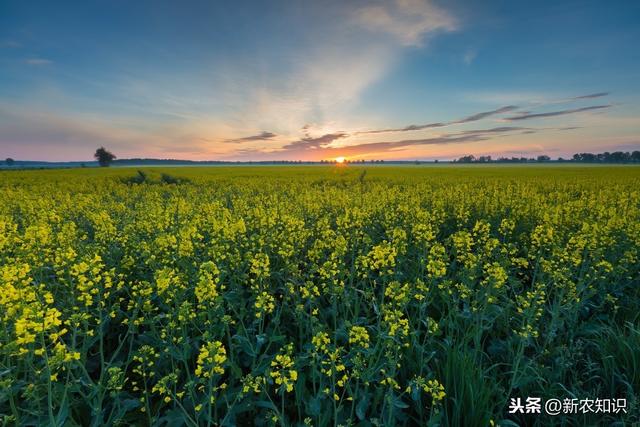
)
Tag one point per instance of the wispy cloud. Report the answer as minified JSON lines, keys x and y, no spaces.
{"x":406,"y":128}
{"x":501,"y":129}
{"x":591,"y":96}
{"x":527,"y":115}
{"x":529,"y":99}
{"x":409,"y":21}
{"x":38,"y":61}
{"x":485,"y":114}
{"x":570,"y":128}
{"x":262,"y":136}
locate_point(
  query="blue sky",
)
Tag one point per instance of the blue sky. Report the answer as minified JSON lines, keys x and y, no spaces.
{"x":311,"y":80}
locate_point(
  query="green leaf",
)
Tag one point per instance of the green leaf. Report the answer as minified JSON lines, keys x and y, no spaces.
{"x":398,"y":403}
{"x":315,"y":406}
{"x":362,"y":406}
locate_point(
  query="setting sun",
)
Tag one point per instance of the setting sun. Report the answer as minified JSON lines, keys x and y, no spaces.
{"x":340,"y":159}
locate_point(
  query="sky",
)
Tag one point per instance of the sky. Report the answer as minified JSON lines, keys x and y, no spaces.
{"x":318,"y":79}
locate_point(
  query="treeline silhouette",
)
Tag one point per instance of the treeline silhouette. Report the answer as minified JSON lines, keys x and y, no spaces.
{"x":606,"y":157}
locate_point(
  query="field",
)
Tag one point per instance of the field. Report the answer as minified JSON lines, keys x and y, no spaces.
{"x":324,"y":296}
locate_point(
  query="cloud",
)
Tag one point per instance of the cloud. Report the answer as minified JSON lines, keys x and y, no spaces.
{"x":408,"y":21}
{"x":321,"y":147}
{"x":386,"y":147}
{"x":528,"y":99}
{"x":527,"y":131}
{"x":346,"y":51}
{"x":501,"y":129}
{"x":405,"y":129}
{"x":485,"y":114}
{"x":301,"y":150}
{"x":38,"y":61}
{"x":468,"y":119}
{"x":262,"y":136}
{"x":314,"y":86}
{"x":314,"y":143}
{"x":591,"y":96}
{"x":469,"y":57}
{"x":526,"y":116}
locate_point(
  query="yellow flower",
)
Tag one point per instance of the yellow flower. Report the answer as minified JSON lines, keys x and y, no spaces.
{"x":359,"y":336}
{"x":206,"y":289}
{"x":211,"y":360}
{"x":436,"y":390}
{"x":320,"y":341}
{"x":265,"y":303}
{"x":282,"y":370}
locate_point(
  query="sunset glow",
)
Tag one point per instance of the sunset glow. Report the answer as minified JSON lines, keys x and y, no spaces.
{"x":307,"y":81}
{"x":340,"y":159}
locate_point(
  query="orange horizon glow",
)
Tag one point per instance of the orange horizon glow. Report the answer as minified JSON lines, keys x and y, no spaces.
{"x":340,"y":159}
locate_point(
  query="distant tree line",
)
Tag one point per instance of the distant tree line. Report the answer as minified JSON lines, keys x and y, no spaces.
{"x":606,"y":157}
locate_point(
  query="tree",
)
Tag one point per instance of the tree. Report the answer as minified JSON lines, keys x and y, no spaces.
{"x":467,"y":159}
{"x":104,"y":157}
{"x":619,"y":157}
{"x":543,"y":158}
{"x":9,"y":161}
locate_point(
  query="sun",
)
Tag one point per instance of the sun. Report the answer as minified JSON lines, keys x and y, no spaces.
{"x":340,"y":159}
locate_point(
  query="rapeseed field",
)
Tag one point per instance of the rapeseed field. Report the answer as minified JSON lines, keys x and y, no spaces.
{"x":318,"y":295}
